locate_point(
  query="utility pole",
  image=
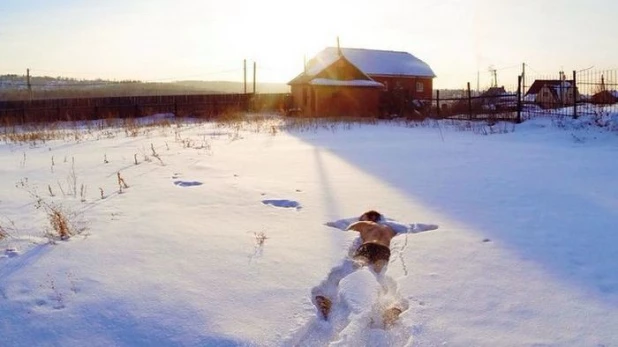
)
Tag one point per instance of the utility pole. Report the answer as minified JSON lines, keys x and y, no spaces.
{"x":523,"y":77}
{"x":254,"y":69}
{"x":244,"y":67}
{"x":29,"y":84}
{"x":494,"y":73}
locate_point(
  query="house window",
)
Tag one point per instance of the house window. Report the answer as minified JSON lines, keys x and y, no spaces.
{"x":546,"y":94}
{"x":420,"y":87}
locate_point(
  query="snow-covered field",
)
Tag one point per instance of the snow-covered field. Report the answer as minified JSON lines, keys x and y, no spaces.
{"x":222,"y":233}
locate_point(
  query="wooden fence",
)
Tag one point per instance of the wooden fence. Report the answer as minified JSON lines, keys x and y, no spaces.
{"x":79,"y":109}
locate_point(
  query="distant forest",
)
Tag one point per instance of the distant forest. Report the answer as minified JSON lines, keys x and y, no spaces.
{"x":15,"y":87}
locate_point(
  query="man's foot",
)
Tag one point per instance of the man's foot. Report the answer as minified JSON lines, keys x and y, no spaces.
{"x":390,"y":316}
{"x":324,"y":305}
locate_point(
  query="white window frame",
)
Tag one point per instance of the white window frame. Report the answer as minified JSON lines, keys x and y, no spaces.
{"x":420,"y":87}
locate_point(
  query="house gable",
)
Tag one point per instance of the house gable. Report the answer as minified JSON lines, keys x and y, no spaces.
{"x":342,"y":69}
{"x":340,"y":72}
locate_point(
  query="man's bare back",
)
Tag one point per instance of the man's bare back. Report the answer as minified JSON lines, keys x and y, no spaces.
{"x":373,"y":232}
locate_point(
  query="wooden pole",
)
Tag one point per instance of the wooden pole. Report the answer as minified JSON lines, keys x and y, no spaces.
{"x":469,"y":102}
{"x":29,"y":84}
{"x":244,"y":67}
{"x":523,"y":77}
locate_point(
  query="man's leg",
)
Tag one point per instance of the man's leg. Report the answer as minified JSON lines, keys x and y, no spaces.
{"x":322,"y":296}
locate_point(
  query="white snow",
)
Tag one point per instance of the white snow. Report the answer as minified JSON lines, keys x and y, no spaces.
{"x":372,"y":62}
{"x":209,"y":245}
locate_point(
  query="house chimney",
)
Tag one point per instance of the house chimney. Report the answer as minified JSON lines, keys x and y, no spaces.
{"x":338,"y":47}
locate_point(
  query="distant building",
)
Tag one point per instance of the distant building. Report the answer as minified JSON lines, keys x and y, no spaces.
{"x":497,"y":99}
{"x":605,"y":97}
{"x":359,"y":82}
{"x":552,"y":93}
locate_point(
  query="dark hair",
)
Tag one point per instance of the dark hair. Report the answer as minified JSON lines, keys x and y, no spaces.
{"x":371,"y":215}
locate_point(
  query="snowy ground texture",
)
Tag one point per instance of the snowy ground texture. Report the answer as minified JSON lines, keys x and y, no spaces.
{"x":222,"y":232}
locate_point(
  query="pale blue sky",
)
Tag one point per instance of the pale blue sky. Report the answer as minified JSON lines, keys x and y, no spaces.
{"x":165,"y":40}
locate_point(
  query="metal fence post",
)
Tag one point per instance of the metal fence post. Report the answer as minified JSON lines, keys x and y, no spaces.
{"x":438,"y":103}
{"x":519,"y":80}
{"x":574,"y":94}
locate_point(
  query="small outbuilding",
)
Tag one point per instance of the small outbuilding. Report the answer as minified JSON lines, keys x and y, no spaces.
{"x":552,"y":93}
{"x":605,"y":97}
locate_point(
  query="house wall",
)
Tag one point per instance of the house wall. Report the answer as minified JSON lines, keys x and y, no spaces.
{"x":546,"y":97}
{"x":408,"y":85}
{"x":347,"y":101}
{"x":336,"y":101}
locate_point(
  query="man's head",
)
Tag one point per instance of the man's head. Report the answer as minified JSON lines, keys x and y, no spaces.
{"x":372,"y":216}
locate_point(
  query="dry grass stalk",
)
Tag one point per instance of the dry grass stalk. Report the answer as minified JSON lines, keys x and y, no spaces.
{"x":121,"y":183}
{"x":155,"y":154}
{"x":260,"y":238}
{"x":72,"y":178}
{"x":3,"y":233}
{"x":4,"y":230}
{"x":82,"y":192}
{"x":59,"y":222}
{"x":61,"y":190}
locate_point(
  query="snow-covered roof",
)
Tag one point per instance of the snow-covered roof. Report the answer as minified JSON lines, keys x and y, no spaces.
{"x":349,"y":83}
{"x":372,"y":62}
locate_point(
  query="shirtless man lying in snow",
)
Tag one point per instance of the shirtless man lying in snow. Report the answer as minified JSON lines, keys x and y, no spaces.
{"x":373,"y":252}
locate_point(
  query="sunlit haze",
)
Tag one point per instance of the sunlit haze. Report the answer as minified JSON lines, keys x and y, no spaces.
{"x":165,"y":40}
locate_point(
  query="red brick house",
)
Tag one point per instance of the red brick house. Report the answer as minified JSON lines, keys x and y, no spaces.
{"x":360,"y":82}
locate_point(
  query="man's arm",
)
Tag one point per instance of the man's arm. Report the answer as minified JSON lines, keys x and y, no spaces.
{"x":400,"y":228}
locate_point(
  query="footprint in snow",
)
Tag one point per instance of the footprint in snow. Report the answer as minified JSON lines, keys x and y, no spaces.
{"x":282,"y":203}
{"x":187,"y":183}
{"x":10,"y":253}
